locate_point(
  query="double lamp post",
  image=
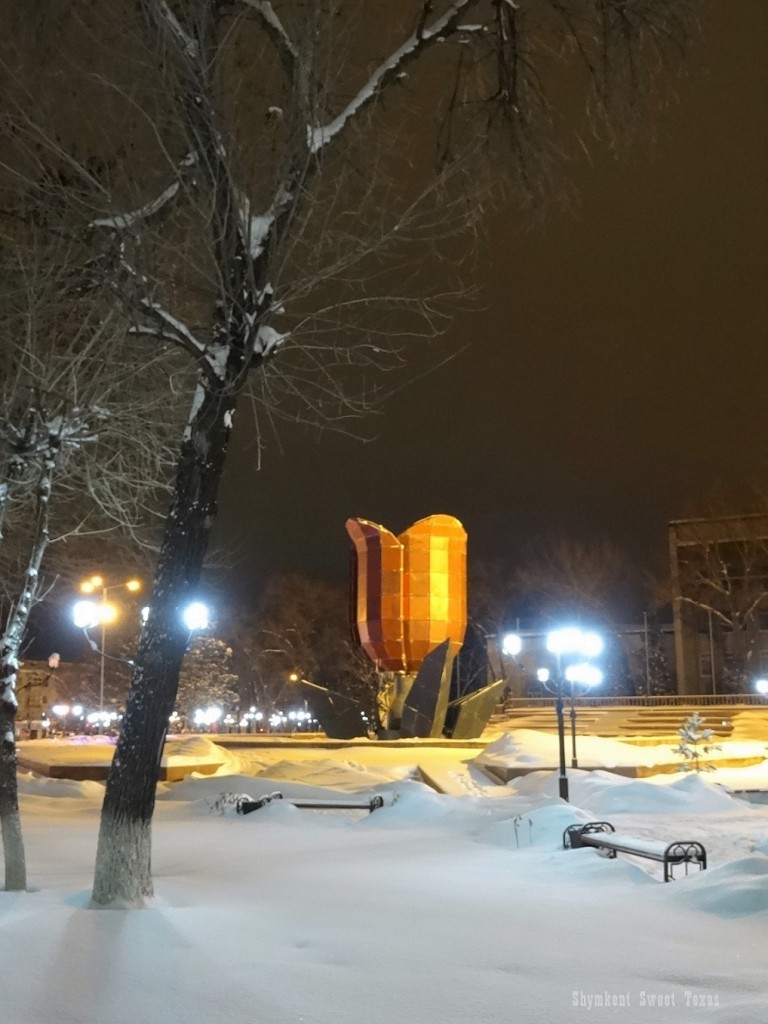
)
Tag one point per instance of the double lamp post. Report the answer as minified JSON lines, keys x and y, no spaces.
{"x":88,"y":613}
{"x":572,"y":649}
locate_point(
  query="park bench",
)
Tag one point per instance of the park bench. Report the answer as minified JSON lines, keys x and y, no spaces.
{"x":372,"y":804}
{"x":602,"y":836}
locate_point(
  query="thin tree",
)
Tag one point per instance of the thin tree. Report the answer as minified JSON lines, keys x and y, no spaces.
{"x":302,"y":627}
{"x":67,"y":403}
{"x":724,"y":583}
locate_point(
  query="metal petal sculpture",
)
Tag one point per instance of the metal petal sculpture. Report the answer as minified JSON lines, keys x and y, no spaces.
{"x":411,"y":602}
{"x":411,"y":590}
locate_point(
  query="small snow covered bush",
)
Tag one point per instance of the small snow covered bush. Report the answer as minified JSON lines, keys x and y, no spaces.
{"x":694,"y":744}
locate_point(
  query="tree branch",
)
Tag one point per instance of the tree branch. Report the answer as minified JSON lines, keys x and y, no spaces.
{"x":149,"y":210}
{"x":277,"y":34}
{"x":448,"y":24}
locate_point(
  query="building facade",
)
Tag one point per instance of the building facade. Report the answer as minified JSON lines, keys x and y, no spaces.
{"x":719,"y":577}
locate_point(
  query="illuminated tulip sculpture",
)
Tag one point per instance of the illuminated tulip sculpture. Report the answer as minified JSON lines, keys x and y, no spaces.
{"x":411,"y":615}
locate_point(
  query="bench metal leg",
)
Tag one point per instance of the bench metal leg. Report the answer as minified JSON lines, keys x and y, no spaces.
{"x":686,"y":852}
{"x":572,"y":835}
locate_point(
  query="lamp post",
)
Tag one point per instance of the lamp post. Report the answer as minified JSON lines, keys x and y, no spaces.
{"x":587,"y":676}
{"x":761,"y":685}
{"x":562,"y":643}
{"x":575,"y":642}
{"x":88,"y":614}
{"x":556,"y":687}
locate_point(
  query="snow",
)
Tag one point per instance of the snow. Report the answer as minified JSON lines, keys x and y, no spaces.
{"x":267,"y":12}
{"x":527,"y":748}
{"x":177,"y":329}
{"x":123,"y":221}
{"x":319,"y":136}
{"x":438,"y":909}
{"x":267,"y":340}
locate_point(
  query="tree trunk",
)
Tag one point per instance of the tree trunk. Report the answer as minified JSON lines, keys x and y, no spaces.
{"x":10,"y":820}
{"x":123,"y":859}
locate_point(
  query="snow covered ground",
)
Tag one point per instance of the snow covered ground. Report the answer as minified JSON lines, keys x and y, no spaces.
{"x":457,"y":908}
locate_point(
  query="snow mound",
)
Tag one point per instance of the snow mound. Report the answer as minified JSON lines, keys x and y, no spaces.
{"x":191,"y":746}
{"x":200,"y":750}
{"x":527,"y":747}
{"x":737,"y":889}
{"x":537,"y":827}
{"x":201,"y":787}
{"x":39,"y":785}
{"x":417,"y":803}
{"x":343,"y":776}
{"x":604,"y":793}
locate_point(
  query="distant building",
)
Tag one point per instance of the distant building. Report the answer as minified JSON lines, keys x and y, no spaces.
{"x":40,"y":684}
{"x":719,"y":574}
{"x":36,"y":690}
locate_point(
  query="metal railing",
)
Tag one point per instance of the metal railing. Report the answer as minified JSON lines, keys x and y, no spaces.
{"x":678,"y":700}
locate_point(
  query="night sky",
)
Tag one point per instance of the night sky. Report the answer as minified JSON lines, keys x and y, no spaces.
{"x":616,"y":375}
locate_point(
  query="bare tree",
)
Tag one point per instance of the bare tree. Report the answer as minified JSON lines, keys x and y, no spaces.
{"x":302,"y":627}
{"x":267,"y":210}
{"x":68,"y":401}
{"x":589,"y":579}
{"x":719,"y":586}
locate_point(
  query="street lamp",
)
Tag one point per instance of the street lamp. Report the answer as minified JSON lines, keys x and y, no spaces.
{"x":580,"y":644}
{"x":587,"y":676}
{"x":556,"y":687}
{"x":195,"y":616}
{"x":761,"y":685}
{"x":563,"y":642}
{"x":87,"y":614}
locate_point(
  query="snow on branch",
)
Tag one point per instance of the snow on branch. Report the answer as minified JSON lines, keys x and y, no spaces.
{"x":159,"y":12}
{"x":447,"y":24}
{"x":123,"y":221}
{"x":256,"y":228}
{"x":267,"y":341}
{"x":276,"y":32}
{"x":167,"y":326}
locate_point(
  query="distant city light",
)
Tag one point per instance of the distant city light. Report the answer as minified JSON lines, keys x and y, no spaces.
{"x":207,"y":716}
{"x":101,"y":717}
